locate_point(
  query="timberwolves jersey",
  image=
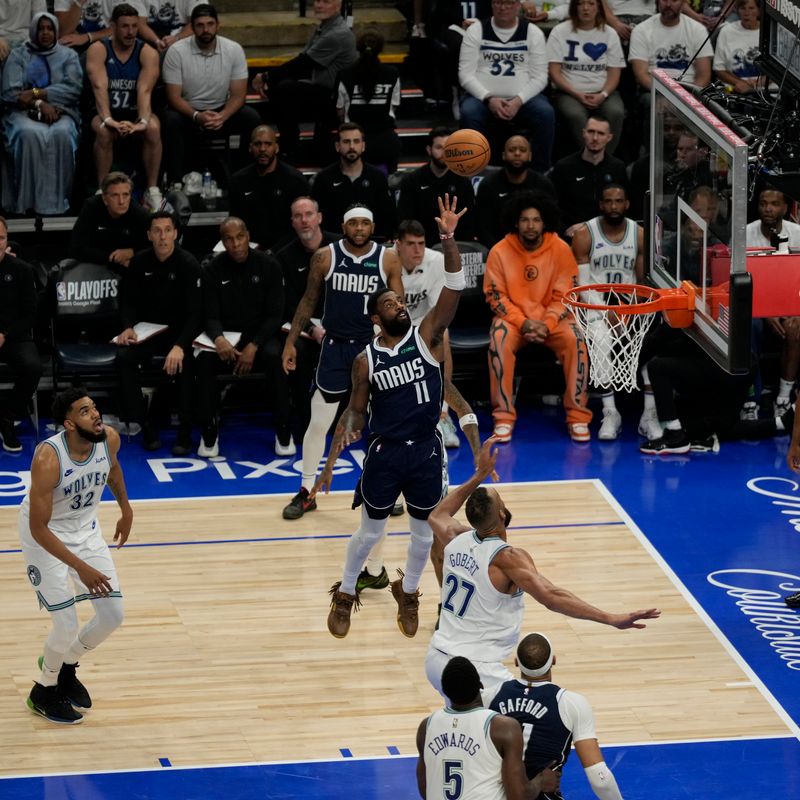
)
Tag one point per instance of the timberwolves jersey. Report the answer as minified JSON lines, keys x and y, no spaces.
{"x":348,"y":284}
{"x":406,"y":388}
{"x":122,"y":78}
{"x":477,"y":621}
{"x":461,"y":760}
{"x":545,"y":736}
{"x":613,"y":262}
{"x":78,"y":491}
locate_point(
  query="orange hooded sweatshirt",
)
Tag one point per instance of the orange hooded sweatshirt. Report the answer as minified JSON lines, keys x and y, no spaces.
{"x":520,"y":284}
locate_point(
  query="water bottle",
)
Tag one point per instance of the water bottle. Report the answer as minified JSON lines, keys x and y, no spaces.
{"x":206,"y":189}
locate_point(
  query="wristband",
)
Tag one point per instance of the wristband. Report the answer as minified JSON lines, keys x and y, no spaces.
{"x":194,"y":116}
{"x":103,"y":123}
{"x":467,"y":419}
{"x":36,"y":93}
{"x":604,"y":93}
{"x":38,"y":105}
{"x":444,"y":236}
{"x":455,"y":280}
{"x":89,"y":38}
{"x":143,"y":120}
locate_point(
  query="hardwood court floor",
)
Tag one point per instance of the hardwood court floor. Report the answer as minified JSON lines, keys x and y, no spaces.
{"x":224,"y":656}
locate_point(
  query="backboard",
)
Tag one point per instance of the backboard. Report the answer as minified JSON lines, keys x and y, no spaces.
{"x":697,"y":217}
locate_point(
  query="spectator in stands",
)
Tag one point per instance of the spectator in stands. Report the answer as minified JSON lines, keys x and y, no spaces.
{"x":497,"y":189}
{"x":503,"y":72}
{"x":295,"y":259}
{"x":669,"y":40}
{"x":110,"y":229}
{"x":624,"y":15}
{"x":123,"y":73}
{"x":771,"y":229}
{"x":579,"y":178}
{"x":262,"y":193}
{"x":15,"y":23}
{"x":736,"y":49}
{"x":303,"y":87}
{"x":205,"y":78}
{"x":162,"y":287}
{"x":17,"y":348}
{"x":242,"y":292}
{"x":527,"y":274}
{"x":585,"y":63}
{"x":170,"y":20}
{"x":369,"y":93}
{"x":41,"y":87}
{"x":421,"y":189}
{"x":350,"y":181}
{"x":540,"y":12}
{"x":85,"y":21}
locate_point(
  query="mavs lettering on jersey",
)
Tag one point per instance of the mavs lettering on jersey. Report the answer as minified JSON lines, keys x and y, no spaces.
{"x":123,"y":77}
{"x":407,"y":387}
{"x":349,"y":283}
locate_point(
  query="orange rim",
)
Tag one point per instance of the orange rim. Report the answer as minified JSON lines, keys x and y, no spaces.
{"x":679,"y":299}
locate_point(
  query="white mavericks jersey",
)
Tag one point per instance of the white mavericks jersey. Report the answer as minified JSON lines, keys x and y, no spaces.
{"x":613,"y":262}
{"x":477,"y":621}
{"x":460,"y":757}
{"x":77,"y":493}
{"x":423,"y":285}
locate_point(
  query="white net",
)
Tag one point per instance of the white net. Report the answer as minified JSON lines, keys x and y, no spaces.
{"x":613,"y":338}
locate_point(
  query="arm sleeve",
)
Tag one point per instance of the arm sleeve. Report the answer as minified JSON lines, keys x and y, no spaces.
{"x":171,"y":70}
{"x":640,"y":49}
{"x":577,"y":715}
{"x":239,"y":64}
{"x":496,"y":291}
{"x":67,"y":91}
{"x":273,"y":305}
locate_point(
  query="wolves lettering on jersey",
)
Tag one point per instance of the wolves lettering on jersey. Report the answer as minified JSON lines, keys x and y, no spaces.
{"x":123,"y":77}
{"x":506,"y":59}
{"x":349,"y":283}
{"x":612,"y":262}
{"x":407,"y":389}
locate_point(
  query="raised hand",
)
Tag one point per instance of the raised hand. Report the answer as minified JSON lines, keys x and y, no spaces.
{"x":448,"y":218}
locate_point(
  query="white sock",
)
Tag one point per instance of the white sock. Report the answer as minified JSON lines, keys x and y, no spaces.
{"x":374,"y":563}
{"x":649,"y":401}
{"x":608,"y":401}
{"x":360,"y":544}
{"x":322,"y":415}
{"x":419,"y":549}
{"x":49,"y":676}
{"x":673,"y":425}
{"x":779,"y":426}
{"x":785,"y":389}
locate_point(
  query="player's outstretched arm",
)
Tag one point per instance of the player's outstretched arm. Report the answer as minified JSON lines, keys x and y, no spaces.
{"x":462,"y":409}
{"x":351,"y":423}
{"x":116,"y":483}
{"x":442,"y":519}
{"x":517,"y":565}
{"x":44,"y":479}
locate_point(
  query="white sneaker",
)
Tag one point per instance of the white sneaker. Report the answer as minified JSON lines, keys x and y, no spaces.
{"x":418,"y":30}
{"x":285,"y":450}
{"x":611,"y":425}
{"x":649,"y":426}
{"x":153,"y":199}
{"x":749,"y":412}
{"x":448,"y":431}
{"x":782,"y":405}
{"x":209,"y":443}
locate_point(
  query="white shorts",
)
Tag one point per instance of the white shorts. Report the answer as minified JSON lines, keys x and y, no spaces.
{"x":50,"y":576}
{"x":492,"y":673}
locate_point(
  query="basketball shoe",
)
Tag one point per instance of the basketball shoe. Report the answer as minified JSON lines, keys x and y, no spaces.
{"x":611,"y":425}
{"x":793,"y":600}
{"x":209,"y":442}
{"x":50,"y":703}
{"x":398,"y":509}
{"x":299,"y":504}
{"x":70,"y":686}
{"x":368,"y":581}
{"x":649,"y":426}
{"x":670,"y":442}
{"x":407,"y":607}
{"x":341,"y":609}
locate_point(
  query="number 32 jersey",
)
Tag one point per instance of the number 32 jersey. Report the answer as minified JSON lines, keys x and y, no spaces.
{"x":477,"y":621}
{"x":78,"y":491}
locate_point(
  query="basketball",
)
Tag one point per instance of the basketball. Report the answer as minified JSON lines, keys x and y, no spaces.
{"x":466,"y":152}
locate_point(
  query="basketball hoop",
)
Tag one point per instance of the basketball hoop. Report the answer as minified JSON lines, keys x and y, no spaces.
{"x":614,"y":328}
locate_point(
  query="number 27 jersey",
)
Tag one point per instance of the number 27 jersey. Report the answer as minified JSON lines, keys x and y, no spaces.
{"x":477,"y":621}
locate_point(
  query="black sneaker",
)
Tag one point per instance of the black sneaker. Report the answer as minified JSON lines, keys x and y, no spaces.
{"x":397,"y":509}
{"x":670,"y":442}
{"x":183,"y":442}
{"x":9,"y":436}
{"x":298,"y":505}
{"x":150,"y":438}
{"x":50,"y":703}
{"x":70,"y":686}
{"x":710,"y":445}
{"x":793,"y":600}
{"x":369,"y":581}
{"x":209,"y":442}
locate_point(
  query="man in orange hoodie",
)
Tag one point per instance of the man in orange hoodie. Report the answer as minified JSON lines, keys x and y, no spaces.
{"x":527,"y":274}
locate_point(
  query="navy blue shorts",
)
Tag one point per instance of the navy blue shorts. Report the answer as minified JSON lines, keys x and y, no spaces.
{"x":417,"y":469}
{"x":336,"y":365}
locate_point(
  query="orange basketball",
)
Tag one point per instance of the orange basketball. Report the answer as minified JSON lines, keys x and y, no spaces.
{"x":466,"y":152}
